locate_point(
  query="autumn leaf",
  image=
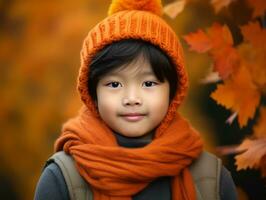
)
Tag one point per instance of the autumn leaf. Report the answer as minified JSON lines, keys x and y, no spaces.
{"x":173,"y":9}
{"x":254,"y":34}
{"x":215,"y":37}
{"x":220,"y":35}
{"x":224,"y":55}
{"x":219,"y":4}
{"x":253,"y":53}
{"x":259,"y":7}
{"x":259,"y":130}
{"x":253,"y":156}
{"x":239,"y":94}
{"x":218,"y":42}
{"x":226,"y":59}
{"x":198,"y":41}
{"x":254,"y":60}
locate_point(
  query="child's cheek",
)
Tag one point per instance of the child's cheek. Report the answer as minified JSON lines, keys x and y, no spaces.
{"x":107,"y":101}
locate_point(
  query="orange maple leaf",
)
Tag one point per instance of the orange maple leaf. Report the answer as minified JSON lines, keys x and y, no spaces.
{"x":253,"y":53}
{"x":259,"y":130}
{"x":225,"y":56}
{"x":226,"y":59}
{"x":216,"y":36}
{"x":219,"y":4}
{"x":220,"y":35}
{"x":199,"y":41}
{"x":239,"y":94}
{"x":259,"y":7}
{"x":254,"y":34}
{"x":254,"y":60}
{"x":218,"y":42}
{"x":253,"y":155}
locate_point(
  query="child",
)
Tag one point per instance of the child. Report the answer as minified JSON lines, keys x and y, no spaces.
{"x":128,"y":141}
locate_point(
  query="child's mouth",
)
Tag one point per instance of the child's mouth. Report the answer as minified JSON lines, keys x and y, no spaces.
{"x":133,"y":117}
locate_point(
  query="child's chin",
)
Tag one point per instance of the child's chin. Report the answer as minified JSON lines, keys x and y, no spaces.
{"x":132,"y":134}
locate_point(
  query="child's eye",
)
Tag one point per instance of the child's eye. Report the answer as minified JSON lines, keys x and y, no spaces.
{"x":114,"y":84}
{"x":149,"y":83}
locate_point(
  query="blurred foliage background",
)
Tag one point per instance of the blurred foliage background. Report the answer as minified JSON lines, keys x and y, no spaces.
{"x":40,"y":43}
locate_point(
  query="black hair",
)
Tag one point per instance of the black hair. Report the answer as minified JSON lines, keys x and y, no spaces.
{"x":123,"y":52}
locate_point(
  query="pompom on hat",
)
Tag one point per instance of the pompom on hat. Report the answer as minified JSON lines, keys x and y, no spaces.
{"x":133,"y":19}
{"x":154,"y":6}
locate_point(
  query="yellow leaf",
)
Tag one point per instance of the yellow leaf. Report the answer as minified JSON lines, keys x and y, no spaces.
{"x":173,"y":9}
{"x":260,"y":127}
{"x":252,"y":157}
{"x":239,"y":94}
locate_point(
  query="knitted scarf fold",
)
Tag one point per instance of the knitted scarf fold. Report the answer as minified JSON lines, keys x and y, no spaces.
{"x":116,"y":172}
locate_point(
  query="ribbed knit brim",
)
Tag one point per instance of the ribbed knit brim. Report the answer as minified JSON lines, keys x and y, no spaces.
{"x":133,"y":24}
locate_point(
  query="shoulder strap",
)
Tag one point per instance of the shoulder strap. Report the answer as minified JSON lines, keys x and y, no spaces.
{"x":206,"y":172}
{"x":77,"y":187}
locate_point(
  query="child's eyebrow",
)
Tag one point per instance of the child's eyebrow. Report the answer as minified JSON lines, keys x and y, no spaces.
{"x":139,"y":73}
{"x":147,"y":73}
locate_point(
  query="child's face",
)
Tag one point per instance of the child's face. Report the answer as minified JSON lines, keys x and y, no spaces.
{"x":131,"y":100}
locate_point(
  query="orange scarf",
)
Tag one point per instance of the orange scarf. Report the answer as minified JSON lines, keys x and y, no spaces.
{"x":116,"y":172}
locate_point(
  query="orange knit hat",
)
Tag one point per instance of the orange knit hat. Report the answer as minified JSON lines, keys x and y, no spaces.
{"x":133,"y":19}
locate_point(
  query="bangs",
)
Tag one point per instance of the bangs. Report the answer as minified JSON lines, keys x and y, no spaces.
{"x":122,"y":53}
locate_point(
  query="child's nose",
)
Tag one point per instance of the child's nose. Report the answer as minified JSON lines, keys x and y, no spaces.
{"x":131,"y":98}
{"x":131,"y":101}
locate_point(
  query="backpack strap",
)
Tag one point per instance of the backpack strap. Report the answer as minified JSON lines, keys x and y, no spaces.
{"x":206,"y":171}
{"x":77,"y":187}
